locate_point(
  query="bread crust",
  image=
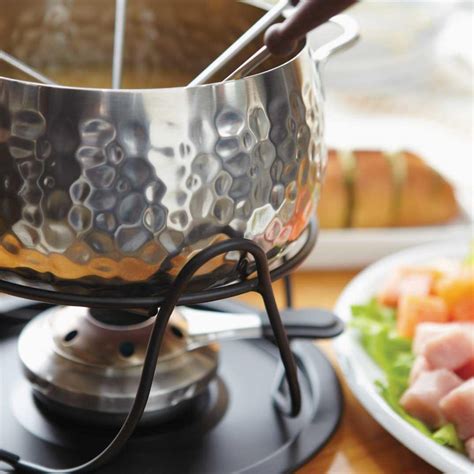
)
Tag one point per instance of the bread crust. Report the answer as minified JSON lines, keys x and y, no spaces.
{"x":384,"y":190}
{"x":334,"y":199}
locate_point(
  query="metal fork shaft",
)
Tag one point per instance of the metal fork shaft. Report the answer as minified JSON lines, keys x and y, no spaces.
{"x":119,"y":37}
{"x":23,"y":67}
{"x":241,"y":43}
{"x":250,"y":64}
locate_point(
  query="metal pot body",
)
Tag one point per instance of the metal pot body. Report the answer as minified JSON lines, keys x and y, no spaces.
{"x":101,"y":187}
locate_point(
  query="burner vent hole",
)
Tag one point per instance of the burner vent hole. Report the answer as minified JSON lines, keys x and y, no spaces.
{"x":127,"y":349}
{"x":177,"y":332}
{"x":70,"y":336}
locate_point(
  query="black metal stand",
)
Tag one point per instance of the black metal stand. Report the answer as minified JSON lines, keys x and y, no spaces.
{"x":244,"y":285}
{"x":288,"y":291}
{"x":261,"y":284}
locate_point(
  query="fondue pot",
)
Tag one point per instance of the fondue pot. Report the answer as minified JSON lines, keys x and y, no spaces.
{"x":140,"y":207}
{"x":102,"y":188}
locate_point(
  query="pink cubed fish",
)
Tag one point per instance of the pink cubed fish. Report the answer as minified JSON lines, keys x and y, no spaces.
{"x":450,"y":350}
{"x":421,"y":400}
{"x":458,"y":408}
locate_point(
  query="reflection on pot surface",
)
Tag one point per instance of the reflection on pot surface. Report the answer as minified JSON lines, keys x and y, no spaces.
{"x":105,"y":187}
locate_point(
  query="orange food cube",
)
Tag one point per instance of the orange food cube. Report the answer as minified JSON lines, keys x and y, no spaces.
{"x":463,"y":310}
{"x":406,"y":281}
{"x":456,"y":288}
{"x":415,"y":309}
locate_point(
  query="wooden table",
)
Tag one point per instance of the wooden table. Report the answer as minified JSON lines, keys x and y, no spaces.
{"x":359,"y":445}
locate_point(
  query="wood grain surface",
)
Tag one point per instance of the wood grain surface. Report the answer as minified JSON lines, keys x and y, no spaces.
{"x":359,"y":445}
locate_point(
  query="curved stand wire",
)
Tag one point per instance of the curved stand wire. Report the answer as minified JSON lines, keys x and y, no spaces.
{"x":263,"y":287}
{"x":203,"y":296}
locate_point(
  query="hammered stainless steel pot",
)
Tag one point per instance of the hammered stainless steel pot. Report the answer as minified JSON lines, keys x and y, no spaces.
{"x":101,"y":187}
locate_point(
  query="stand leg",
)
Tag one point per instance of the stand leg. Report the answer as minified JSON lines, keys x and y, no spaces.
{"x":265,"y":290}
{"x":288,"y":291}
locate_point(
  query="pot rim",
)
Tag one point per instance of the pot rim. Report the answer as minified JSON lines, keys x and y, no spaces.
{"x":305,"y":49}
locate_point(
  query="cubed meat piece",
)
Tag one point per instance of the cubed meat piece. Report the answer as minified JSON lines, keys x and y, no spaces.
{"x":458,"y":408}
{"x":427,"y":331}
{"x":422,"y":399}
{"x":419,"y":366}
{"x":418,"y":284}
{"x":406,"y":281}
{"x":469,"y":445}
{"x":450,"y":350}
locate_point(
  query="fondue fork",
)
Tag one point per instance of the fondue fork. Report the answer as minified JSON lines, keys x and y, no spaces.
{"x":281,"y":39}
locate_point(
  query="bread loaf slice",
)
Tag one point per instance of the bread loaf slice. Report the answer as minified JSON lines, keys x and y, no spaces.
{"x":333,"y":205}
{"x":426,"y":198}
{"x":370,"y":188}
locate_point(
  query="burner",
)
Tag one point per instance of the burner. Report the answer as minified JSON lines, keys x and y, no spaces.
{"x":232,"y":426}
{"x":89,"y":371}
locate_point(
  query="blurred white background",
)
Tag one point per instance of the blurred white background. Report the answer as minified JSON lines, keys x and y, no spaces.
{"x":408,"y":83}
{"x":414,"y":58}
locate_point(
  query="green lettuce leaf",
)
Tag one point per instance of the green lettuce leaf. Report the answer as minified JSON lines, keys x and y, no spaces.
{"x":447,"y":436}
{"x":392,"y":392}
{"x":376,"y":325}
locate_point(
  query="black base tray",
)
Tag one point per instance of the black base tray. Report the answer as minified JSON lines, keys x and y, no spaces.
{"x":234,"y":429}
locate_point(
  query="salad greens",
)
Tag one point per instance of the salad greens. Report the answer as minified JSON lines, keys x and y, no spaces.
{"x":376,"y":325}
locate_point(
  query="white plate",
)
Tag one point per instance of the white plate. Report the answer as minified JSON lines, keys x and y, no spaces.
{"x":448,"y":153}
{"x":356,"y":248}
{"x":361,"y":371}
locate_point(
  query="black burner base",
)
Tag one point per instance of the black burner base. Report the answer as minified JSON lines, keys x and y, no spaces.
{"x":236,"y":429}
{"x":63,"y":414}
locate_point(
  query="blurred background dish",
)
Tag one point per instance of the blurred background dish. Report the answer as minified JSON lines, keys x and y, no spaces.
{"x":441,"y":149}
{"x":407,"y":85}
{"x":399,"y":38}
{"x":402,"y":42}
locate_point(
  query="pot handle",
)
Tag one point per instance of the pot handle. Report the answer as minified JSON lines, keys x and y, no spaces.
{"x":350,"y":35}
{"x":202,"y":326}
